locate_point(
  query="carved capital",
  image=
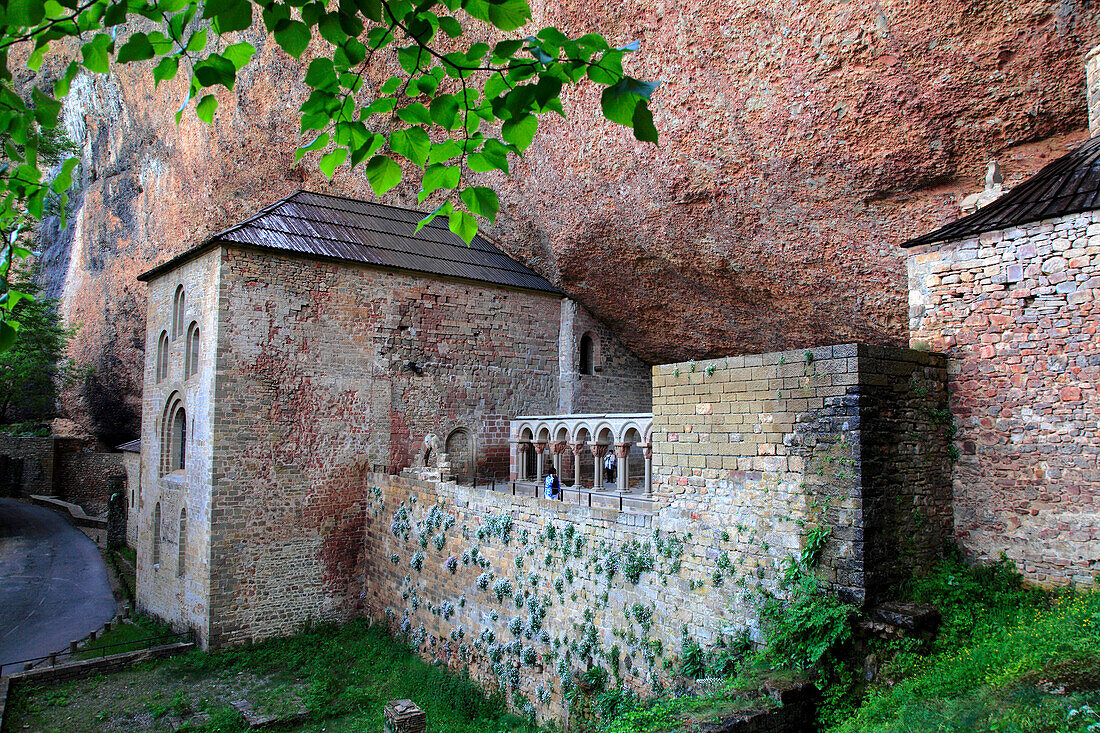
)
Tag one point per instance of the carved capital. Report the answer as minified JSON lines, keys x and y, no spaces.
{"x":577,"y":448}
{"x":622,"y":450}
{"x":599,"y":450}
{"x":558,"y":447}
{"x":539,"y":447}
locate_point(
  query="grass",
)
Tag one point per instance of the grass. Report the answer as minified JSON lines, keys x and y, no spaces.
{"x":128,"y":636}
{"x":1007,"y":659}
{"x":343,"y":675}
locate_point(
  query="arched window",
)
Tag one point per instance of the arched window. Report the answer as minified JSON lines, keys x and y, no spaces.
{"x":182,"y":543}
{"x":173,"y":438}
{"x":178,"y":313}
{"x":162,"y":356}
{"x":192,"y":349}
{"x":156,"y":535}
{"x":588,"y":354}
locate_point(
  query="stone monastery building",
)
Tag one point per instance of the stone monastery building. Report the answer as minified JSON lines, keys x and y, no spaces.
{"x":319,"y":340}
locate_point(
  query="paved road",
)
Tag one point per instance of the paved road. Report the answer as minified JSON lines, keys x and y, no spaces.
{"x":53,"y":583}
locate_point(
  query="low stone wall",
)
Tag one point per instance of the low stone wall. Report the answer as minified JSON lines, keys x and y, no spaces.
{"x":54,"y":466}
{"x":1016,"y":313}
{"x":834,"y":460}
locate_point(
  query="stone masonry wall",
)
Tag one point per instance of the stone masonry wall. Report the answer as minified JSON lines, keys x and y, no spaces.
{"x":84,"y":474}
{"x":621,"y":382}
{"x":1016,"y":313}
{"x":755,"y":458}
{"x":27,"y":465}
{"x":326,"y":371}
{"x":131,"y":461}
{"x":174,"y":593}
{"x":778,"y":448}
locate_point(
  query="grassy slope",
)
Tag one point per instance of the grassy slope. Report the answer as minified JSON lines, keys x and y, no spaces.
{"x":343,"y":675}
{"x":1007,"y":659}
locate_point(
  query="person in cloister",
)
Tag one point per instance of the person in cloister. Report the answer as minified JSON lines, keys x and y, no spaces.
{"x":553,"y":486}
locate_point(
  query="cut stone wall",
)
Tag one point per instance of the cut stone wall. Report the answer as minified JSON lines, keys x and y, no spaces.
{"x":754,"y":456}
{"x":56,"y":466}
{"x":131,"y":462}
{"x":620,"y":382}
{"x":327,"y":371}
{"x":1016,"y":313}
{"x":847,"y":439}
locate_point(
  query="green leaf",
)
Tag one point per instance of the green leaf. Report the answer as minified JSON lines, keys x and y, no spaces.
{"x":24,"y":13}
{"x":197,"y":41}
{"x":229,"y":16}
{"x":390,"y":85}
{"x":136,"y":48}
{"x":96,"y":53}
{"x":321,"y":75}
{"x":520,"y":131}
{"x":427,"y":84}
{"x":482,"y":201}
{"x":444,"y":208}
{"x":205,"y":108}
{"x":34,"y":61}
{"x":644,"y":129}
{"x":371,"y":9}
{"x":463,"y":224}
{"x":239,"y":54}
{"x":166,"y":69}
{"x":64,"y":178}
{"x":444,"y":110}
{"x":382,"y":174}
{"x":609,"y":69}
{"x":331,"y":160}
{"x":444,"y":151}
{"x":619,"y":100}
{"x":215,"y":69}
{"x":412,"y":144}
{"x":46,"y":109}
{"x":415,"y":114}
{"x":7,"y":335}
{"x":450,"y":26}
{"x":436,"y":177}
{"x":294,"y":36}
{"x":507,"y":15}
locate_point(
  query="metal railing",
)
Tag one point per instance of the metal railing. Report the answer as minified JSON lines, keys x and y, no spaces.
{"x":583,"y":496}
{"x":74,"y":651}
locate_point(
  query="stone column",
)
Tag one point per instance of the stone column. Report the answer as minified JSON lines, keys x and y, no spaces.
{"x":622,"y":452}
{"x":539,"y":465}
{"x":599,"y":450}
{"x":521,"y":459}
{"x":403,"y":716}
{"x":576,"y":448}
{"x":558,"y":449}
{"x":647,"y":452}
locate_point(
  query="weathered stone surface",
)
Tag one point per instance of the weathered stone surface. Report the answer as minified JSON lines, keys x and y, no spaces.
{"x":800,"y":142}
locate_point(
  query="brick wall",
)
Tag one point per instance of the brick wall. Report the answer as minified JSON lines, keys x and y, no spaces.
{"x":1015,"y":311}
{"x":131,"y":462}
{"x":850,"y":439}
{"x":85,"y":474}
{"x":54,"y":466}
{"x":27,"y":465}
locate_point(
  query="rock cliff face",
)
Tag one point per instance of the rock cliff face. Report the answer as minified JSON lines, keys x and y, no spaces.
{"x":800,"y":144}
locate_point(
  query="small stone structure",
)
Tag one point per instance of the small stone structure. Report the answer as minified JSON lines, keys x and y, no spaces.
{"x":69,"y":468}
{"x":403,"y":716}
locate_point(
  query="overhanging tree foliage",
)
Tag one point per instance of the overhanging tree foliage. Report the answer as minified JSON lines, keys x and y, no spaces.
{"x":455,"y":107}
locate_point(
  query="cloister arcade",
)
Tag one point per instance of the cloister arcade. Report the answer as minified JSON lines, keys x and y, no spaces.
{"x":578,"y":446}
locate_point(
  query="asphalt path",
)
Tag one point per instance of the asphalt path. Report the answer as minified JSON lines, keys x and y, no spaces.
{"x":53,"y":583}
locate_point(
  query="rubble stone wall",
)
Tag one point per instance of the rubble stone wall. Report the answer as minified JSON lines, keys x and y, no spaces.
{"x":1016,"y":313}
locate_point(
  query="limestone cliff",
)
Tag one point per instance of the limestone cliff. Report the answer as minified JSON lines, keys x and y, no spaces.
{"x":800,"y":143}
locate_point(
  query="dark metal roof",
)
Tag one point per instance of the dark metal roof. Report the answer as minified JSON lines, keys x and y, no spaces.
{"x":134,"y":446}
{"x":1069,"y":185}
{"x":352,"y":230}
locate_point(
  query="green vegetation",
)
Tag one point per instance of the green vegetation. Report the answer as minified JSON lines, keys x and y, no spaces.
{"x":127,"y":636}
{"x":342,"y":675}
{"x":34,"y":369}
{"x":1007,"y":658}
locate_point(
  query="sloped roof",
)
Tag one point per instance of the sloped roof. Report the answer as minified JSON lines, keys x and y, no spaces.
{"x":337,"y":227}
{"x":133,"y":446}
{"x":1069,"y":185}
